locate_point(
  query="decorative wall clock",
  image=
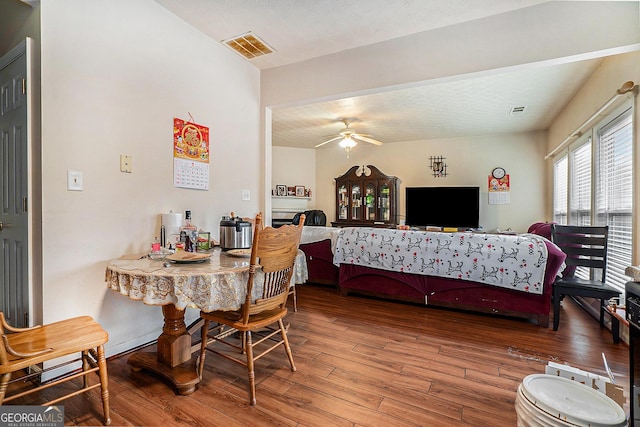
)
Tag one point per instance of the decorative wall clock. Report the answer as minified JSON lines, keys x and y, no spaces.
{"x":498,"y":173}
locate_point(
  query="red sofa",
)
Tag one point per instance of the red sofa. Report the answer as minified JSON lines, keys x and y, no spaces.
{"x":318,"y":245}
{"x":320,"y":265}
{"x":454,"y":293}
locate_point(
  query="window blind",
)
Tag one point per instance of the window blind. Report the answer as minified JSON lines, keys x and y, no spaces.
{"x":560,"y":193}
{"x":580,"y":185}
{"x":614,"y":193}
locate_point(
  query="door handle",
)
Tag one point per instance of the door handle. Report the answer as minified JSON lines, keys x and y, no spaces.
{"x":0,"y":225}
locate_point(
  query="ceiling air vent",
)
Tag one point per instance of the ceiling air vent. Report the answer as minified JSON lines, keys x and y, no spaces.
{"x":248,"y":45}
{"x":517,"y":110}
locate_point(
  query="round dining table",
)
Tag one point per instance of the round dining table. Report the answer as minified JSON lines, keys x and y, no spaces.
{"x":218,"y":282}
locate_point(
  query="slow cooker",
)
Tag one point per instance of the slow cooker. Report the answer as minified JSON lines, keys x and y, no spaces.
{"x":235,"y":233}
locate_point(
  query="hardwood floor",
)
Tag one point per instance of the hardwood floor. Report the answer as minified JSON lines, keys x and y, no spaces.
{"x":362,"y":361}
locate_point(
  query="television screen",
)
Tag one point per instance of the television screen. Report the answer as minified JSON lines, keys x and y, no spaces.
{"x":443,"y":206}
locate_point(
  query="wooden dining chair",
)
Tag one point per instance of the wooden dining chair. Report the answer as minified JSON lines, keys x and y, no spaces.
{"x":586,"y":247}
{"x":273,"y":252}
{"x":23,"y":348}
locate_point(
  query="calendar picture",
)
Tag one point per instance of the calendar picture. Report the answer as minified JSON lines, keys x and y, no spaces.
{"x":190,"y":155}
{"x":501,"y":184}
{"x":190,"y":141}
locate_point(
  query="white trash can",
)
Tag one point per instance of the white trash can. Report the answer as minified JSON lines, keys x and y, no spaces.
{"x":551,"y":401}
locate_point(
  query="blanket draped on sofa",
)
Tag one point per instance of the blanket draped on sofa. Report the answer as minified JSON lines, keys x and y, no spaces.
{"x":514,"y":262}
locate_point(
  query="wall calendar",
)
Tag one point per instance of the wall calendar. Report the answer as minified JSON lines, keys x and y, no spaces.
{"x":499,"y":190}
{"x":190,"y":155}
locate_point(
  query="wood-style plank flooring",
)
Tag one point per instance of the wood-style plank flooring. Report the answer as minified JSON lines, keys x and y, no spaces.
{"x":367,"y":362}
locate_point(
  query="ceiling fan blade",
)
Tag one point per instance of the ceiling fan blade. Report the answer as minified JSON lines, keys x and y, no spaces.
{"x":366,"y":138}
{"x":331,"y":140}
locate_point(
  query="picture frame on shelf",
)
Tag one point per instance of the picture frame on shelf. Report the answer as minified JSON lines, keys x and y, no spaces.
{"x":281,"y":190}
{"x":300,"y":191}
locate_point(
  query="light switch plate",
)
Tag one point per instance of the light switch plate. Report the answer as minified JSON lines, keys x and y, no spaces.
{"x":246,"y":194}
{"x":74,"y":180}
{"x":126,"y":163}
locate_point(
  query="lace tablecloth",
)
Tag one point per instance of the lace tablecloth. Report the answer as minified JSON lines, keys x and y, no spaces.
{"x":217,"y":284}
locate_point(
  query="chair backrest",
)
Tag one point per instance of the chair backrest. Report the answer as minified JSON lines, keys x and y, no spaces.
{"x":9,"y":357}
{"x":7,"y":354}
{"x":314,"y":217}
{"x":4,"y":357}
{"x":274,"y":251}
{"x":585,"y":246}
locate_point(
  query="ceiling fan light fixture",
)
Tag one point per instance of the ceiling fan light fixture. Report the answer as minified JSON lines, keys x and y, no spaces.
{"x":347,"y":142}
{"x":349,"y":138}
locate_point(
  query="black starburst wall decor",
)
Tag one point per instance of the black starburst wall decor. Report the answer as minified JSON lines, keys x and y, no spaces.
{"x":438,"y":166}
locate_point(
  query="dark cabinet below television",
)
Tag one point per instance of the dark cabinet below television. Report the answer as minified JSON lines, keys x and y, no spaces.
{"x":366,"y":197}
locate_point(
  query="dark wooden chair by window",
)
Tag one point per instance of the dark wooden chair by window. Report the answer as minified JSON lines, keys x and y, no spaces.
{"x":585,"y":246}
{"x":22,"y":348}
{"x":274,"y":252}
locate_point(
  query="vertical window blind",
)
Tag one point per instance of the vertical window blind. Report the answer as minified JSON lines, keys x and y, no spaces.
{"x":580,"y":185}
{"x":614,"y":193}
{"x":560,"y":193}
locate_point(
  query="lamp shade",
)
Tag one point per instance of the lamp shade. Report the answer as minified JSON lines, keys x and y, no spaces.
{"x":347,"y":142}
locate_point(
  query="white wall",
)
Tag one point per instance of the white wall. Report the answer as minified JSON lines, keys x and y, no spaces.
{"x":114,"y":75}
{"x":469,"y":162}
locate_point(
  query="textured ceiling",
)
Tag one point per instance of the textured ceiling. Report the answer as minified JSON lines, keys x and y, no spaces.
{"x":479,"y":106}
{"x":302,"y":29}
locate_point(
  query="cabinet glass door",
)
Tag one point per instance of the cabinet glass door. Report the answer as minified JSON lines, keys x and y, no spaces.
{"x":385,"y":202}
{"x":370,"y":202}
{"x":343,"y":202}
{"x":356,"y":201}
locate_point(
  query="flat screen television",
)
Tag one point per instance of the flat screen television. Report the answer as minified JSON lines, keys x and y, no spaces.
{"x":443,"y":206}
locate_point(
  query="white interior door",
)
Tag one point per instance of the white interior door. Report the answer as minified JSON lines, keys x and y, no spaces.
{"x":14,"y":281}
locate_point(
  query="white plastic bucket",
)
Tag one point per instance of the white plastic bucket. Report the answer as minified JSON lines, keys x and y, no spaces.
{"x":550,"y":401}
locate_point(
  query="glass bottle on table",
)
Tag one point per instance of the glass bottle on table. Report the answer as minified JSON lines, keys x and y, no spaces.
{"x":190,"y":233}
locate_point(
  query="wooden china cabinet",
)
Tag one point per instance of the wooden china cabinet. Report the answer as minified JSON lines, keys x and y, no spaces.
{"x":366,"y":197}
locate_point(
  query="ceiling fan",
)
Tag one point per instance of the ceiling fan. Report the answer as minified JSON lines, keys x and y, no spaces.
{"x":349,"y":138}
